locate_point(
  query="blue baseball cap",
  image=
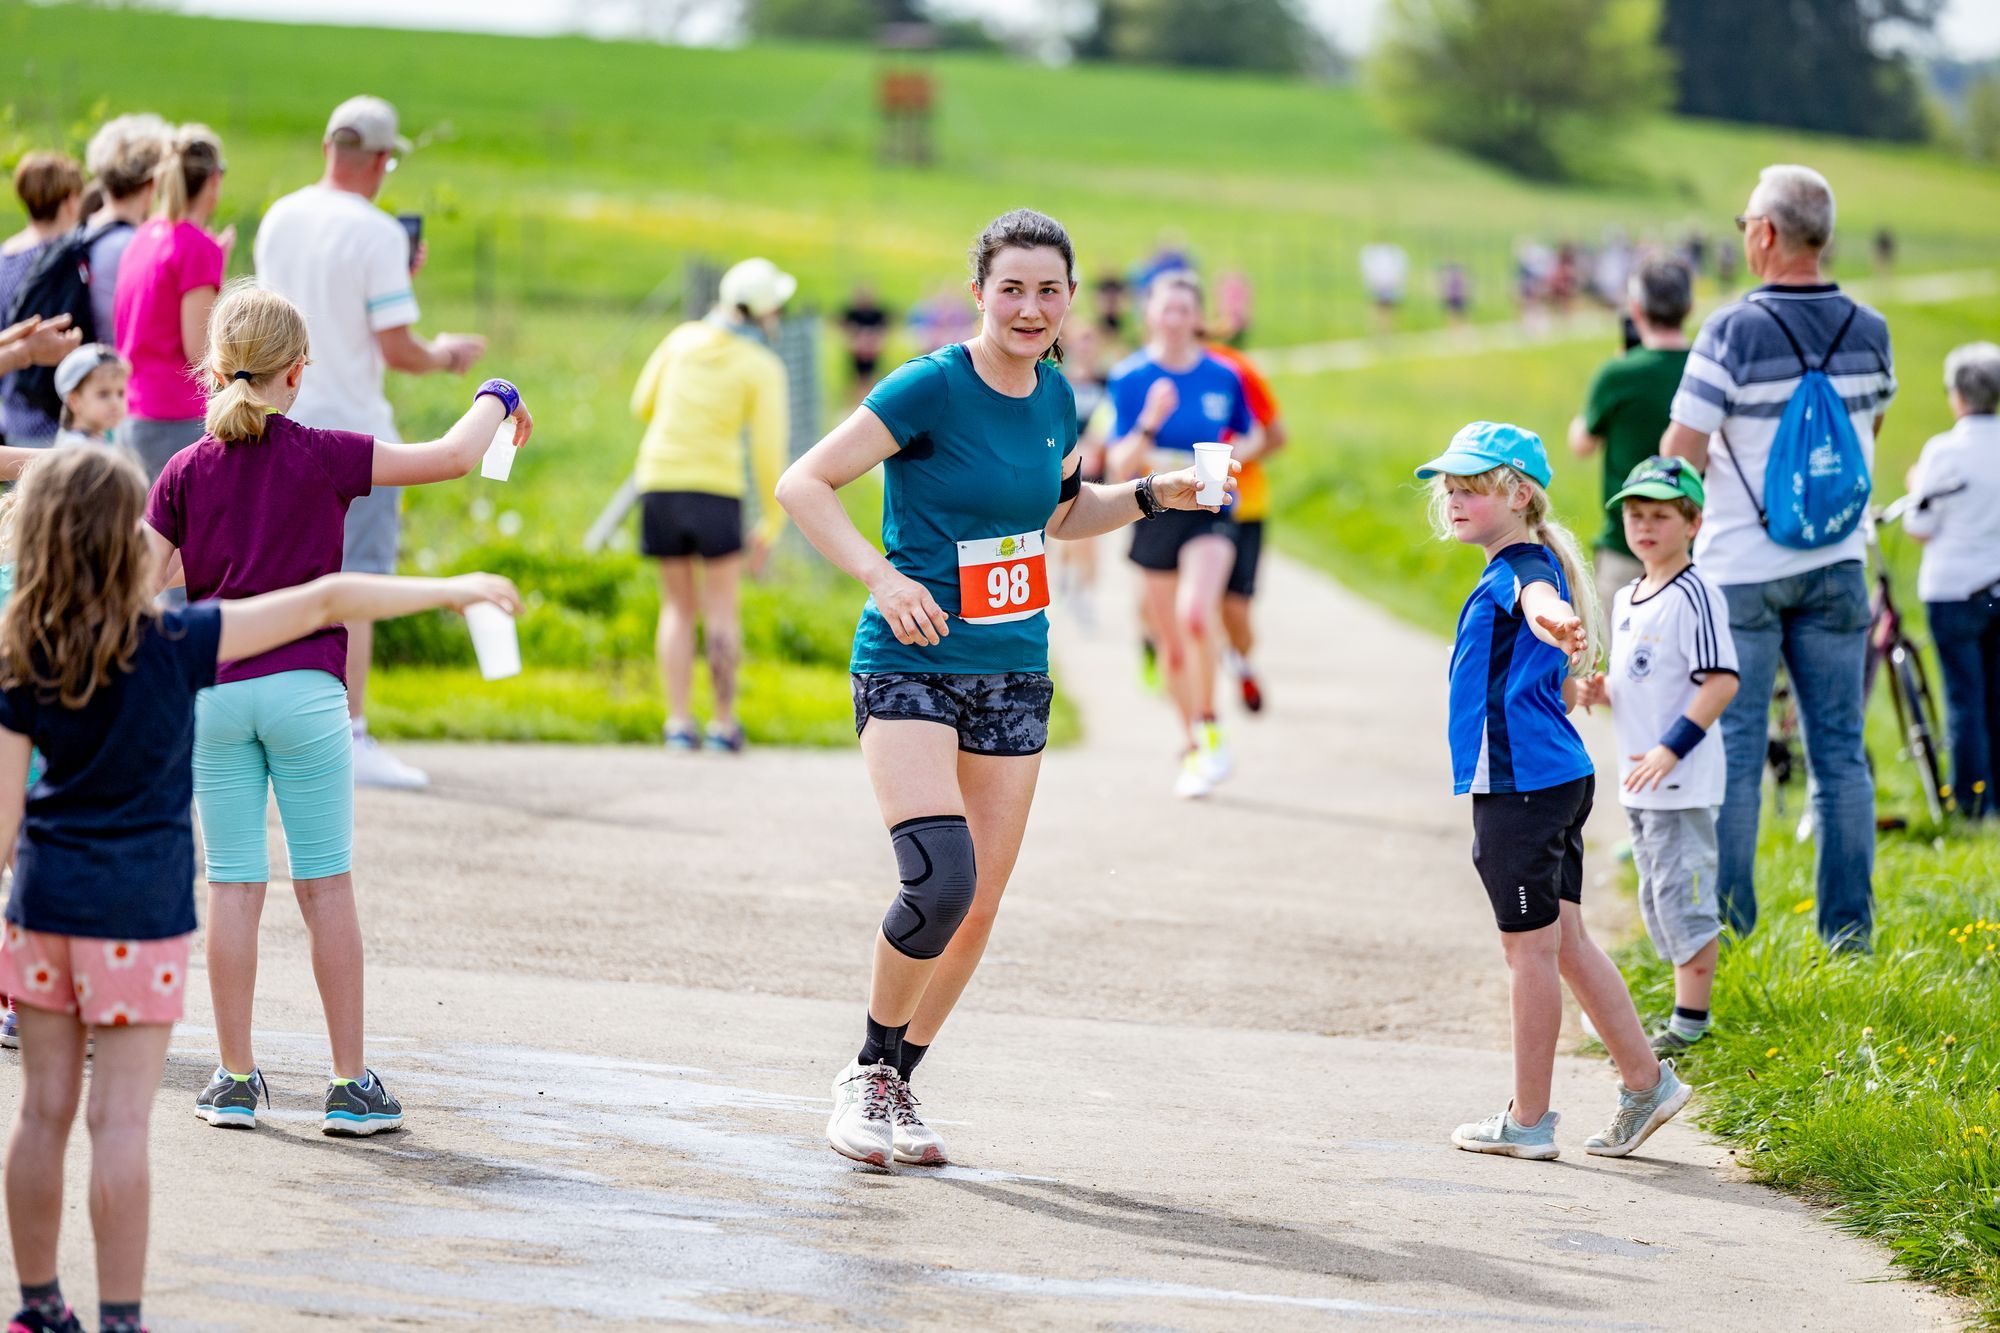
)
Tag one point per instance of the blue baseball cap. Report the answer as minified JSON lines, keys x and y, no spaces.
{"x":1485,"y":445}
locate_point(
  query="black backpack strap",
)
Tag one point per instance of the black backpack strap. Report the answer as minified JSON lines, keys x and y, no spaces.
{"x":1797,"y":350}
{"x":1737,"y":467}
{"x":1834,"y":346}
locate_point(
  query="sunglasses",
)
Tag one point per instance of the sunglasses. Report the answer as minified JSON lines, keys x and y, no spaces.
{"x":1743,"y":220}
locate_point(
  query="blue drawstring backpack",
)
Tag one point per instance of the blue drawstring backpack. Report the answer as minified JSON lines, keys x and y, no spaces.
{"x":1816,"y":481}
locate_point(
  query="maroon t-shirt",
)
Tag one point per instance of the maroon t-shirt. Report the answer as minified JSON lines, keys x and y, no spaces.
{"x":260,"y":515}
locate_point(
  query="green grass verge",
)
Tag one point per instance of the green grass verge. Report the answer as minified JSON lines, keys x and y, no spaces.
{"x":1867,"y":1083}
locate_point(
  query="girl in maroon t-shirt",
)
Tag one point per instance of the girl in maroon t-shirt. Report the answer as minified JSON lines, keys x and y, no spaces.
{"x":259,"y":503}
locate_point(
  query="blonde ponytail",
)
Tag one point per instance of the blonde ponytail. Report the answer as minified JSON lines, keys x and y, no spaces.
{"x":254,"y":337}
{"x":193,"y":155}
{"x":1562,"y":544}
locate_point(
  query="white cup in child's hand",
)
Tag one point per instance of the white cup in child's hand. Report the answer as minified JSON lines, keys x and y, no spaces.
{"x":498,"y":460}
{"x":494,"y":641}
{"x":1211,"y":466}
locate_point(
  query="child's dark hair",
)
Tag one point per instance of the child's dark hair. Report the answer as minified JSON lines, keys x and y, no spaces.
{"x":1024,"y":229}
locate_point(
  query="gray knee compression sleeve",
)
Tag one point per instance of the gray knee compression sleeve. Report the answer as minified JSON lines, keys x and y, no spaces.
{"x":934,"y":861}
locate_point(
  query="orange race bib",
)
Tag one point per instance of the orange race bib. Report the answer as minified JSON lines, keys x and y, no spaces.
{"x":1002,"y":579}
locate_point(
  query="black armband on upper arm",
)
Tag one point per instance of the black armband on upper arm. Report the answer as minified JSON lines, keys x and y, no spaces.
{"x":1072,"y":486}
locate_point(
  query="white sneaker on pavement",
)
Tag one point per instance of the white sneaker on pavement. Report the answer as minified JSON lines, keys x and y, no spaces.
{"x":917,"y":1144}
{"x":864,"y":1100}
{"x":376,"y":767}
{"x":1213,"y":750}
{"x":1193,"y":782}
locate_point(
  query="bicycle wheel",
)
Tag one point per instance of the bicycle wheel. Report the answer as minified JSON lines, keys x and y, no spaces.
{"x":1917,"y":712}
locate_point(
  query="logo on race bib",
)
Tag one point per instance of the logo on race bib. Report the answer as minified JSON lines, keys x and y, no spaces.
{"x":1002,"y":579}
{"x":1008,"y":546}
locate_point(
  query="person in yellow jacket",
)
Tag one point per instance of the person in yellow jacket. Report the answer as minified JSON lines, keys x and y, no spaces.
{"x":710,"y":390}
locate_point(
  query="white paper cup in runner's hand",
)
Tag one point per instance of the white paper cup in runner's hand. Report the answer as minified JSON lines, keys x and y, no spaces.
{"x":498,"y":460}
{"x":1211,"y":465}
{"x":494,"y":640}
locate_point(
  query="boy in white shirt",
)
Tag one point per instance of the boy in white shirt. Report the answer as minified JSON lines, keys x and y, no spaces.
{"x":1672,"y":672}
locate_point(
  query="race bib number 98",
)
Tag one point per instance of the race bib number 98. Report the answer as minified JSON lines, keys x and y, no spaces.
{"x":1002,"y":579}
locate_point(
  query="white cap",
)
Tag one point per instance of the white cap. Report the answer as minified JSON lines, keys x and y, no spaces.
{"x":373,"y":119}
{"x":757,"y":285}
{"x":80,"y":364}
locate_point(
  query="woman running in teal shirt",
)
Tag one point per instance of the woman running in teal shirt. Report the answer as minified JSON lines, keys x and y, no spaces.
{"x":951,"y":658}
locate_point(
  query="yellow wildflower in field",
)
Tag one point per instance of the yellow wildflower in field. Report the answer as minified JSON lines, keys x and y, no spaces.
{"x":1772,"y":1053}
{"x":1950,"y":1040}
{"x":1804,"y":907}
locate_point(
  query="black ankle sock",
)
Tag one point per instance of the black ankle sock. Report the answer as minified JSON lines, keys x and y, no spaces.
{"x":1691,"y":1015}
{"x":884,"y":1044}
{"x":45,"y":1300}
{"x":909,"y":1058}
{"x":119,"y":1317}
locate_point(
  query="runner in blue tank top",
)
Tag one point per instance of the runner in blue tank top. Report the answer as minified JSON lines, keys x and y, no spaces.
{"x":951,"y":686}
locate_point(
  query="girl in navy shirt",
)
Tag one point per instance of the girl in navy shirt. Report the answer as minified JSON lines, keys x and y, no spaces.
{"x":1520,"y":646}
{"x":103,"y":685}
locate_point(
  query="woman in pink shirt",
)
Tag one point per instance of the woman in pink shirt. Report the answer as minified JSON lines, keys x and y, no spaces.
{"x":167,"y":284}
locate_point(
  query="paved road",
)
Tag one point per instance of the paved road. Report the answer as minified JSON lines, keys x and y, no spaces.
{"x":1203,"y":1081}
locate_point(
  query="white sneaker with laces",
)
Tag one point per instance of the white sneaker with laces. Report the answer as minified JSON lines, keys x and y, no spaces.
{"x":1193,"y":783}
{"x":864,"y":1100}
{"x":917,"y":1144}
{"x":376,"y":767}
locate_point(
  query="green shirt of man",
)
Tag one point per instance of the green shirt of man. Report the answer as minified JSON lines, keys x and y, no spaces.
{"x":1625,"y":413}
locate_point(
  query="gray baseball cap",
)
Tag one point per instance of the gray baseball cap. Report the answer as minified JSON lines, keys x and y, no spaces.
{"x":79,"y":364}
{"x":372,"y":121}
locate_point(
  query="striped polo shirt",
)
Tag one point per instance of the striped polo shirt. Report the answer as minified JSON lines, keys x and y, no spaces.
{"x":1508,"y":728}
{"x":1739,"y":377}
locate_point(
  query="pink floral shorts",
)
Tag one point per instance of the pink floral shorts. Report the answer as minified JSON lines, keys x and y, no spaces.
{"x":106,"y":983}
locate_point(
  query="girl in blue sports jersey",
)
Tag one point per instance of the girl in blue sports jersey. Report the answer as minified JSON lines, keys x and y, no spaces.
{"x":1520,"y":646}
{"x":950,"y":667}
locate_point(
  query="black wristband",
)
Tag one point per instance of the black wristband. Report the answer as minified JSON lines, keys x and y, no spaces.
{"x":1149,"y":504}
{"x":1683,"y":736}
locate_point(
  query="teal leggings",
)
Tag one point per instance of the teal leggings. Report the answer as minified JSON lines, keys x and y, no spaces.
{"x":286,"y":733}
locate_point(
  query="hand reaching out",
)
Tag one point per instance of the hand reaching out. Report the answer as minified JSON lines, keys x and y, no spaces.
{"x":1569,"y":636}
{"x":1592,"y":692}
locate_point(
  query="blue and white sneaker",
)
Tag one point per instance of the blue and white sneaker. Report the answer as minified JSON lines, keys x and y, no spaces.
{"x":1640,"y":1113}
{"x":1505,"y":1136}
{"x":358,"y":1107}
{"x":10,"y":1030}
{"x":230,"y":1100}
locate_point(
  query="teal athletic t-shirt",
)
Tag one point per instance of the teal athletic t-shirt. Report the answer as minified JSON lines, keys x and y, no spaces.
{"x":972,"y":466}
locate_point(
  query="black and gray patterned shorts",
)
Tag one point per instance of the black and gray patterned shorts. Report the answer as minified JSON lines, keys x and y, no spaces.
{"x":1004,"y":714}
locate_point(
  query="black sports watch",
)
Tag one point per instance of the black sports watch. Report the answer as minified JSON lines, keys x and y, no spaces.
{"x":1149,"y":504}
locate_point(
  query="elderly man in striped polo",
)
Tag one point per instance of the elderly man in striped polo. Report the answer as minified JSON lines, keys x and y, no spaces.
{"x":1809,"y":607}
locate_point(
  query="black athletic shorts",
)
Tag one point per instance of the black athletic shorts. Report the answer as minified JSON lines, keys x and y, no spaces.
{"x":681,"y":523}
{"x":1528,"y":847}
{"x":1003,"y":714}
{"x":1157,"y":541}
{"x":1249,"y":550}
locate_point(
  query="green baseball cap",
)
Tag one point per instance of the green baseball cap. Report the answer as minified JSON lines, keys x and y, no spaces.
{"x":1661,"y":479}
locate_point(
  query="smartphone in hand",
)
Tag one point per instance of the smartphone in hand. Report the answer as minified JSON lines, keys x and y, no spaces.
{"x":413,"y":227}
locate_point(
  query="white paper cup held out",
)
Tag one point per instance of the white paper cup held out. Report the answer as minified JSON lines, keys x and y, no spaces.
{"x":1211,"y":465}
{"x":498,"y":460}
{"x":494,"y":640}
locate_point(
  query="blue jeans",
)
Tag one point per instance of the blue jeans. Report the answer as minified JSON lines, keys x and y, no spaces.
{"x":1818,"y":623}
{"x":1967,"y":635}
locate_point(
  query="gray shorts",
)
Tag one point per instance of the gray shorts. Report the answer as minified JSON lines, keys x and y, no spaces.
{"x":157,"y":441}
{"x":374,"y":522}
{"x":1674,"y":851}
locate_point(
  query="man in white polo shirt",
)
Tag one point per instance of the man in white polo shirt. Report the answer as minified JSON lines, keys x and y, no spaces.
{"x":348,"y":266}
{"x":1808,"y":606}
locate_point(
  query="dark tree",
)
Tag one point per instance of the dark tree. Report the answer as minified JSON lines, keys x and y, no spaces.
{"x":1810,"y":64}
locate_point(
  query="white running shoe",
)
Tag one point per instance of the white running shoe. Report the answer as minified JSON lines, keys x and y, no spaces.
{"x":864,"y":1100}
{"x":1193,"y":782}
{"x":1213,"y":752}
{"x":917,"y":1144}
{"x":376,"y":767}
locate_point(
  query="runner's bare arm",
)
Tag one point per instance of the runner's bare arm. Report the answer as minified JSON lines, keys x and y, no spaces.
{"x":258,"y":624}
{"x":454,"y":455}
{"x":1581,"y":442}
{"x":808,"y":492}
{"x":1685,"y":442}
{"x":1098,"y":509}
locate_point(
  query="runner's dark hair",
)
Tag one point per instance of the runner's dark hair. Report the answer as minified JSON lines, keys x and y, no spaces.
{"x":1024,"y":229}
